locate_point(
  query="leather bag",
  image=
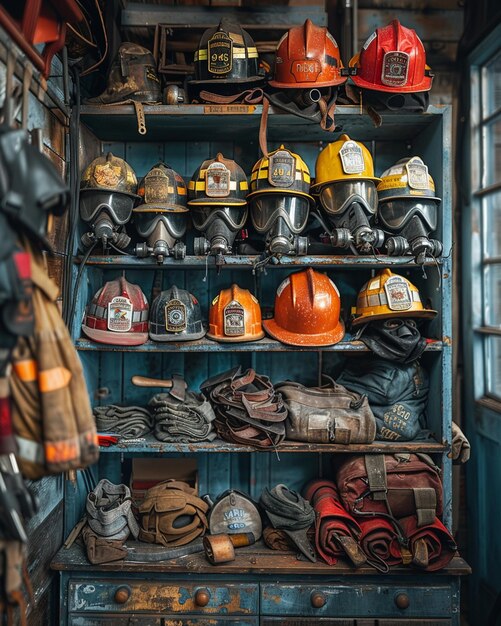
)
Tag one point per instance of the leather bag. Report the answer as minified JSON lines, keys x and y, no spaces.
{"x":396,"y":485}
{"x":329,"y":414}
{"x":172,"y":514}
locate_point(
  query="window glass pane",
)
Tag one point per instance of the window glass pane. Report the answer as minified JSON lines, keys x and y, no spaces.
{"x":493,"y":365}
{"x":492,"y":224}
{"x":492,"y":295}
{"x":492,"y":77}
{"x":493,"y":153}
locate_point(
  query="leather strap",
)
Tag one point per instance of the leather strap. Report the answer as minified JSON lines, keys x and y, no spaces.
{"x":248,"y":96}
{"x":376,"y":475}
{"x":426,"y":505}
{"x":263,"y":128}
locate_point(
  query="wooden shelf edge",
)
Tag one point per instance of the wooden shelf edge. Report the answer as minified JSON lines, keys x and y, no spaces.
{"x":153,"y":446}
{"x":251,"y":561}
{"x":248,"y":261}
{"x":207,"y":345}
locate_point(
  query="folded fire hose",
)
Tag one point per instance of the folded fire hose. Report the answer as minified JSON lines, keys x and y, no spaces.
{"x":184,"y":421}
{"x":290,"y":512}
{"x":380,"y":542}
{"x":432,"y":546}
{"x":126,"y":421}
{"x":248,"y":409}
{"x":337,"y":532}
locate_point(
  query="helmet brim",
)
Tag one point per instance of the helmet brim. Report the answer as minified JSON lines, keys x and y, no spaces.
{"x":283,"y":192}
{"x":313,"y":85}
{"x":115,"y":339}
{"x":152,"y":208}
{"x":424,"y":85}
{"x":218,"y":202}
{"x":424,"y":314}
{"x":298,"y":339}
{"x":317,"y":187}
{"x":177,"y":336}
{"x":239,"y":339}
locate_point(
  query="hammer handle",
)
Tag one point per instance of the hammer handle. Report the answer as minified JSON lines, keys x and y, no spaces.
{"x":144,"y":381}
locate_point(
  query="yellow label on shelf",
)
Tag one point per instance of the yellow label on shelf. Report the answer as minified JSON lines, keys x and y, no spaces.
{"x":229,"y":109}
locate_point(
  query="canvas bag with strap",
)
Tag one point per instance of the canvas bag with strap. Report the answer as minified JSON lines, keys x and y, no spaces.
{"x":329,"y":414}
{"x":394,"y":485}
{"x":172,"y":514}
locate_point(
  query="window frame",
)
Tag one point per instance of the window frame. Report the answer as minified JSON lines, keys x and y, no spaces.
{"x":478,"y":162}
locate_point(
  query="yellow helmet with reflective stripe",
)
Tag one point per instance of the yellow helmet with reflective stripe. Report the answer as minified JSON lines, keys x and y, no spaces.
{"x":408,"y":178}
{"x":343,"y":160}
{"x":283,"y":172}
{"x":220,"y":182}
{"x":389,"y":295}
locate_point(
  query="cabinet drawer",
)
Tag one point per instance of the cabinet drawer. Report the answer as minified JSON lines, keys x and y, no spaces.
{"x":173,"y":620}
{"x":136,"y":596}
{"x":338,"y":600}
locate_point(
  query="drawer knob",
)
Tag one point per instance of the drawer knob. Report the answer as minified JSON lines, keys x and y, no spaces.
{"x":402,"y":601}
{"x":122,"y":594}
{"x":202,"y":597}
{"x":318,"y":600}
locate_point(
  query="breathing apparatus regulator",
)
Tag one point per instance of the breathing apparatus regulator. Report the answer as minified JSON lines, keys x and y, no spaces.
{"x":163,"y":216}
{"x":345,"y":186}
{"x":218,"y":206}
{"x":107,"y":196}
{"x":279,"y":201}
{"x":408,"y":209}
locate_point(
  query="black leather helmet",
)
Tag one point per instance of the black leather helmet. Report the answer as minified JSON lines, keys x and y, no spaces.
{"x":175,"y":316}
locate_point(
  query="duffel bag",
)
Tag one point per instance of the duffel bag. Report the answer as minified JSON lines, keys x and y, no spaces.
{"x":329,"y":414}
{"x":396,"y":485}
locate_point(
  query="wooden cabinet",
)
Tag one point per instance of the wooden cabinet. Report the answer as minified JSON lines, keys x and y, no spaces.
{"x":274,"y":586}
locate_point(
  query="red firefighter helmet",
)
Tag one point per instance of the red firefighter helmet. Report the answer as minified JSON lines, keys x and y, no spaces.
{"x":307,"y":56}
{"x":118,"y":314}
{"x":393,"y":59}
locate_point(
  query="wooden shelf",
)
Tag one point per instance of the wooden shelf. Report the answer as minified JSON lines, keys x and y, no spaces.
{"x":207,"y":345}
{"x":199,"y":122}
{"x":249,"y":261}
{"x":257,"y":559}
{"x":150,"y":445}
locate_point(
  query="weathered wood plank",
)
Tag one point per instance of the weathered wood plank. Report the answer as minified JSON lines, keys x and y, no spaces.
{"x":257,"y":559}
{"x":431,"y":25}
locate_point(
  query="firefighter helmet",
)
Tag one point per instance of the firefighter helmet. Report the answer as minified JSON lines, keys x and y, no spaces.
{"x":118,"y":314}
{"x":408,"y":178}
{"x":109,"y":173}
{"x":307,"y":311}
{"x":343,"y":160}
{"x":133,"y":76}
{"x":307,"y":56}
{"x":235,"y":315}
{"x":226,"y":54}
{"x":389,"y":295}
{"x":218,"y":181}
{"x":393,"y":59}
{"x":175,"y":316}
{"x":162,"y":188}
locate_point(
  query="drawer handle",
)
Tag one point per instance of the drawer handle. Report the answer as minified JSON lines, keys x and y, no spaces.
{"x":202,"y":597}
{"x":318,"y":600}
{"x":122,"y":594}
{"x":402,"y":601}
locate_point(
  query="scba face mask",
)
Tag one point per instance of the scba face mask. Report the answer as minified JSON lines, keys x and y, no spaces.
{"x":408,"y":210}
{"x":346,"y":188}
{"x":350,"y":208}
{"x":107,"y":196}
{"x":162,"y":218}
{"x":219,"y":225}
{"x":280,"y":201}
{"x":218,"y":206}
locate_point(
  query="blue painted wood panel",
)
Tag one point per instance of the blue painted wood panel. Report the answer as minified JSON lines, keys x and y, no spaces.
{"x":356,"y":600}
{"x":164,"y":597}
